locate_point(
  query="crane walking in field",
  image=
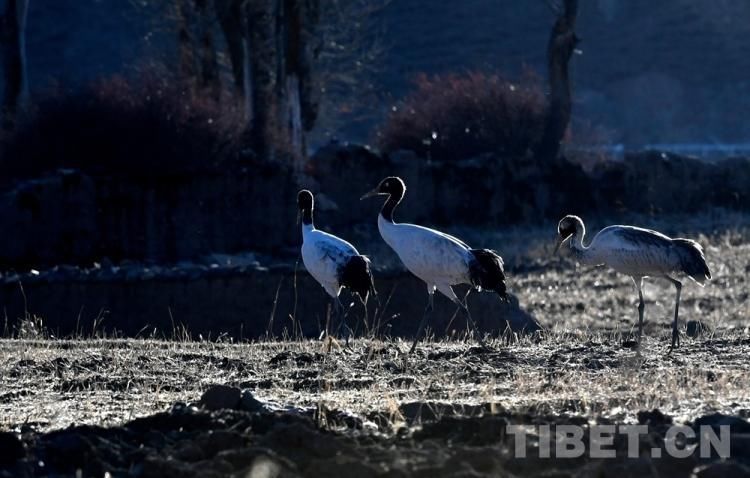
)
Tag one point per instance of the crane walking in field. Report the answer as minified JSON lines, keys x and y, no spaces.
{"x":438,"y":259}
{"x":638,"y":253}
{"x":333,"y":262}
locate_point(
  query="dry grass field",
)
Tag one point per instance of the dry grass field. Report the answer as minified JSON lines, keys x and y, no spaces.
{"x":132,"y":407}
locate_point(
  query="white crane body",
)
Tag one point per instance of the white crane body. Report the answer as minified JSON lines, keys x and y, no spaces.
{"x":438,"y":259}
{"x":638,"y":253}
{"x":331,"y":261}
{"x":324,"y":256}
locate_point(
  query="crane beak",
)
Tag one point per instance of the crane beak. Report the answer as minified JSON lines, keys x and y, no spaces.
{"x":559,"y":242}
{"x":372,"y":193}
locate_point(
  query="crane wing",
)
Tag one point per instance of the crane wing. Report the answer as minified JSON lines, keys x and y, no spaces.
{"x":333,"y":249}
{"x":634,"y":238}
{"x":452,"y":238}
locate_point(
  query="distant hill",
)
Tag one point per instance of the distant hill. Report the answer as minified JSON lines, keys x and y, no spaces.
{"x":664,"y":71}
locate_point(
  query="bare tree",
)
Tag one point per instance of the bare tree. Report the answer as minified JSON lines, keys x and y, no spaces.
{"x":562,"y":44}
{"x":197,"y":49}
{"x":12,"y":37}
{"x":296,"y":22}
{"x":275,"y":50}
{"x":231,"y":15}
{"x":257,"y":74}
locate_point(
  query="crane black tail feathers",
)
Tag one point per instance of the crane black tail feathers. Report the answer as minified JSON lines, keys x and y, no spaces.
{"x":692,"y":260}
{"x":357,"y":276}
{"x":486,"y":271}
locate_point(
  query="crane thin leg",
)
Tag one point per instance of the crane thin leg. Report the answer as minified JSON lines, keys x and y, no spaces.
{"x":423,"y":322}
{"x":341,"y":314}
{"x":641,"y":306}
{"x":675,"y":332}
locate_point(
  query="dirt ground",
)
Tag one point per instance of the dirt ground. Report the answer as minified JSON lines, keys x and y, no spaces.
{"x":86,"y":407}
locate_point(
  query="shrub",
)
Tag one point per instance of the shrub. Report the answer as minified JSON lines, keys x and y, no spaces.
{"x":453,"y":116}
{"x":148,"y":128}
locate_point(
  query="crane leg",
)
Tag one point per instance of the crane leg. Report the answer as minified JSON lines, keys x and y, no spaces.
{"x":335,"y":320}
{"x":423,"y":322}
{"x":641,"y":307}
{"x":675,"y":332}
{"x":330,"y":313}
{"x":330,"y":325}
{"x":341,"y":318}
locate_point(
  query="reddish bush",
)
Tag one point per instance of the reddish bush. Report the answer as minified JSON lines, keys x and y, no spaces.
{"x":149,"y":128}
{"x":453,"y":116}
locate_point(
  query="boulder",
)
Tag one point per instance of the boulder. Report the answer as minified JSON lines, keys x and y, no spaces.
{"x":221,"y":397}
{"x":11,"y":449}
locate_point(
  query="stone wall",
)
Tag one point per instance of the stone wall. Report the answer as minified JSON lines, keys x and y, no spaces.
{"x":482,"y":191}
{"x":239,"y":302}
{"x":656,"y":182}
{"x":491,"y":191}
{"x":71,"y":218}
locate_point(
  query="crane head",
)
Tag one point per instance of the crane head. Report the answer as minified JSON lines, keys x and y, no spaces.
{"x":304,"y":203}
{"x":391,"y":186}
{"x":304,"y":200}
{"x":568,"y":227}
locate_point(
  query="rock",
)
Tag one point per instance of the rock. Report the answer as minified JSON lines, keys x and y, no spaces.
{"x":301,"y":443}
{"x":216,"y":441}
{"x":67,"y":450}
{"x":739,"y":429}
{"x":11,"y":448}
{"x":269,"y":465}
{"x":209,"y":444}
{"x":715,"y":420}
{"x":341,"y":466}
{"x":220,"y":397}
{"x":248,"y":403}
{"x":161,"y":467}
{"x":654,"y":418}
{"x":476,"y":431}
{"x":722,"y":470}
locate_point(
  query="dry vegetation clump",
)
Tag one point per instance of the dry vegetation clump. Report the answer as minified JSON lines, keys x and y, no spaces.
{"x":454,"y":117}
{"x":148,"y":127}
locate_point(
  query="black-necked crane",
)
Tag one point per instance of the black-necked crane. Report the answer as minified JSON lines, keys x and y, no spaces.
{"x":438,"y":259}
{"x":638,"y":253}
{"x":333,"y":262}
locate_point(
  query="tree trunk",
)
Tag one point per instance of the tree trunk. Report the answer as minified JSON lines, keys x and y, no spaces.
{"x":296,"y":22}
{"x":209,"y":63}
{"x":248,"y":84}
{"x":233,"y":25}
{"x":293,"y":52}
{"x":186,"y":42}
{"x":258,"y":74}
{"x":562,"y":43}
{"x":294,"y":116}
{"x":12,"y":35}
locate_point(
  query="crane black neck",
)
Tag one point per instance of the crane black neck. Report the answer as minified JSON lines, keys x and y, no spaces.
{"x":307,"y":216}
{"x":390,"y":205}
